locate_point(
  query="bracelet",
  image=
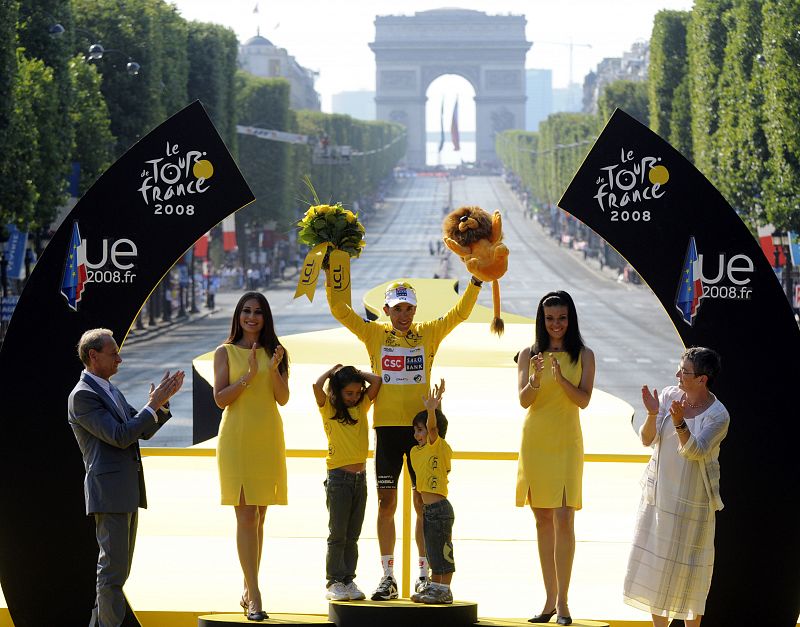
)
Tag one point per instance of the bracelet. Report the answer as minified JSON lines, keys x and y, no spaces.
{"x":652,"y":413}
{"x":531,"y":385}
{"x":244,"y":383}
{"x":682,"y":426}
{"x":476,"y":281}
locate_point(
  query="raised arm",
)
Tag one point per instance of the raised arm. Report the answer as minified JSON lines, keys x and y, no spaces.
{"x":458,"y":314}
{"x":374,"y":383}
{"x":319,"y":385}
{"x":432,"y":401}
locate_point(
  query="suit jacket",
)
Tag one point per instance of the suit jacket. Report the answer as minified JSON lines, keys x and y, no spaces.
{"x":108,"y":439}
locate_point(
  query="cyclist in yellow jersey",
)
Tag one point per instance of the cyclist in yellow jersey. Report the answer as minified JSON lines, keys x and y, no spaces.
{"x":402,"y":353}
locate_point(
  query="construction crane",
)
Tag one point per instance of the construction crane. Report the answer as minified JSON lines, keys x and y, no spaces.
{"x":571,"y":45}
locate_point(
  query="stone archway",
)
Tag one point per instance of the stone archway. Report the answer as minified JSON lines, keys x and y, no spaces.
{"x":487,"y":50}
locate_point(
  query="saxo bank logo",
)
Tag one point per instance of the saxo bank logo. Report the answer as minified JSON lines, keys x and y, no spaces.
{"x":730,"y":281}
{"x":116,"y":265}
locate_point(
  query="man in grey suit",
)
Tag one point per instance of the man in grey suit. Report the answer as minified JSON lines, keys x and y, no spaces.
{"x":108,"y":430}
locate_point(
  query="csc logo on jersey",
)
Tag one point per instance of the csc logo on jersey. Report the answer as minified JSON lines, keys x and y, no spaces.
{"x":394,"y":363}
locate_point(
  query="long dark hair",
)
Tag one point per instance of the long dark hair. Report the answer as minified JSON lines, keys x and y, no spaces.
{"x":267,"y":338}
{"x":573,"y":342}
{"x":339,"y":380}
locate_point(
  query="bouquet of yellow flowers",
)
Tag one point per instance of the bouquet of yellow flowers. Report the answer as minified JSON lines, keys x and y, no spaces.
{"x":334,"y":225}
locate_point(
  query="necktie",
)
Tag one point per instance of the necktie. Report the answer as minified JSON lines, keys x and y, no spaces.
{"x":117,"y":396}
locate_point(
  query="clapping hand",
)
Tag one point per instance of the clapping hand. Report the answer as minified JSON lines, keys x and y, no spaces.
{"x":277,"y":357}
{"x":167,"y":387}
{"x":252,"y":362}
{"x":556,"y":369}
{"x":677,"y":410}
{"x":650,"y":400}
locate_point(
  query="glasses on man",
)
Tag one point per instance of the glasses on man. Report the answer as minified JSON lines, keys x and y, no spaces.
{"x":684,"y":371}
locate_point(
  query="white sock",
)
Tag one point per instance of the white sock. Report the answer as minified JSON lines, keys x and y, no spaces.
{"x":444,"y":586}
{"x":387,"y":561}
{"x":423,"y":566}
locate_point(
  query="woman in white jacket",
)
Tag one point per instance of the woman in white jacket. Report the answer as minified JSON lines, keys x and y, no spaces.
{"x":672,"y":557}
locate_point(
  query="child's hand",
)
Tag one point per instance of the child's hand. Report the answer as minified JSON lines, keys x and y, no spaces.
{"x":433,"y":398}
{"x":334,"y":369}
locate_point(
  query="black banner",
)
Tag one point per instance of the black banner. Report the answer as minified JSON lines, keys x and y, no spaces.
{"x":105,"y":259}
{"x":713,"y":280}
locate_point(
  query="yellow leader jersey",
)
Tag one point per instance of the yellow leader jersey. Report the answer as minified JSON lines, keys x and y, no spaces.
{"x":431,"y":464}
{"x":347,"y":444}
{"x":404,"y":361}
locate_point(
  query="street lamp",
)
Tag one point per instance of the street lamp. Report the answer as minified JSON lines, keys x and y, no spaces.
{"x":97,"y":52}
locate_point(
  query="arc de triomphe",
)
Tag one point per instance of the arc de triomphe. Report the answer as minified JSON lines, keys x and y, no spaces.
{"x":487,"y":50}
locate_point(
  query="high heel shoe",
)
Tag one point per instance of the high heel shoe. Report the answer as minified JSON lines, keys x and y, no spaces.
{"x":255,"y":615}
{"x":564,"y":620}
{"x":542,"y":618}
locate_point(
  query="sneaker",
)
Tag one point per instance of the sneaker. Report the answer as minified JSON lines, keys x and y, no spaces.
{"x":337,"y":592}
{"x":353,"y":592}
{"x":436,"y":596}
{"x":423,"y":583}
{"x":386,"y":590}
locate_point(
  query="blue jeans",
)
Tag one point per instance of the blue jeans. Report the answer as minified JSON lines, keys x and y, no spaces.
{"x":437,"y":526}
{"x":346,"y":499}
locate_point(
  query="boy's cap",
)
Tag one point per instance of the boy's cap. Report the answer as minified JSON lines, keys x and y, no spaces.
{"x":400,"y":293}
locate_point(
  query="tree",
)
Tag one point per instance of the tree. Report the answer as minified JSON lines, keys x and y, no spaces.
{"x":94,"y":142}
{"x":9,"y":12}
{"x":781,"y":58}
{"x":707,"y":37}
{"x":740,"y":143}
{"x":150,"y":33}
{"x":54,"y":103}
{"x":668,"y":78}
{"x":212,"y":51}
{"x":630,"y":96}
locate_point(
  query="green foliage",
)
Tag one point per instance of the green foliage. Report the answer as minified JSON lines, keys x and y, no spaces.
{"x":20,"y":158}
{"x":680,"y":133}
{"x":739,"y":140}
{"x":547,"y":160}
{"x":264,"y":103}
{"x":630,"y":96}
{"x":781,"y":80}
{"x":384,"y":144}
{"x":706,"y":41}
{"x":151,"y":33}
{"x":212,"y":51}
{"x":667,"y":74}
{"x":8,"y":80}
{"x":94,"y":143}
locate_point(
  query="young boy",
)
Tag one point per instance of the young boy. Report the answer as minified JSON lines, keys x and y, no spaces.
{"x":431,"y":457}
{"x":402,"y":353}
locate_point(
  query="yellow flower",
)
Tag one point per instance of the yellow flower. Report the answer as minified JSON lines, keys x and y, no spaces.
{"x":349,"y":216}
{"x":323,"y":209}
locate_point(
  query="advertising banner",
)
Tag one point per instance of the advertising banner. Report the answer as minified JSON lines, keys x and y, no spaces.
{"x":714,"y":282}
{"x":107,"y":256}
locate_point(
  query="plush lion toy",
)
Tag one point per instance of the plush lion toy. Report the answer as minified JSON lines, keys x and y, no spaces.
{"x":476,"y":237}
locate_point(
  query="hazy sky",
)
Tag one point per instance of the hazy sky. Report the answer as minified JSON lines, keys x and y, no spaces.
{"x":331,"y":37}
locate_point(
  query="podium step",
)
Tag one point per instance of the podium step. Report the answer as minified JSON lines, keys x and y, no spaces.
{"x":519,"y":622}
{"x":401,"y":613}
{"x":301,"y":620}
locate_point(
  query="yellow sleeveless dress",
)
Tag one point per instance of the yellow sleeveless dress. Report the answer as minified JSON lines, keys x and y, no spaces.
{"x":251,"y":453}
{"x":551,"y":453}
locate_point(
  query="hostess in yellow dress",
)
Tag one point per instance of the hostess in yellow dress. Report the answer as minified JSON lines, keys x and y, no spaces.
{"x":551,"y":453}
{"x":251,"y":453}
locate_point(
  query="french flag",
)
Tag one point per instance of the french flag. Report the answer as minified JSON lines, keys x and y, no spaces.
{"x":74,"y":270}
{"x":690,"y":289}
